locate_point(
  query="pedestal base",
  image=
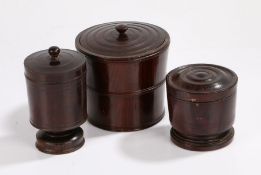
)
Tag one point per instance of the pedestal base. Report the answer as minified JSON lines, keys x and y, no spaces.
{"x":59,"y":142}
{"x":202,"y":143}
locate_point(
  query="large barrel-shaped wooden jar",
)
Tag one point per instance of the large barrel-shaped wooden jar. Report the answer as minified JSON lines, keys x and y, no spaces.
{"x":126,"y":63}
{"x":202,"y":101}
{"x":56,"y":86}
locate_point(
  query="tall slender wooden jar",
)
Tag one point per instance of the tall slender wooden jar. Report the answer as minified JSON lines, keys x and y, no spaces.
{"x":126,"y":63}
{"x":56,"y":88}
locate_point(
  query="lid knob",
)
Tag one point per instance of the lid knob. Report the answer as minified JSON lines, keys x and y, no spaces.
{"x":54,"y":53}
{"x":122,"y":28}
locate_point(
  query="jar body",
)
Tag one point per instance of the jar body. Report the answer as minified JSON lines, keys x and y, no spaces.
{"x":202,"y":118}
{"x":202,"y":126}
{"x":56,"y":107}
{"x":126,"y":95}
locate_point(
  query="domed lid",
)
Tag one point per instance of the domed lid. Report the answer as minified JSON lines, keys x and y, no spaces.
{"x":201,"y":82}
{"x":122,"y":40}
{"x":54,"y":65}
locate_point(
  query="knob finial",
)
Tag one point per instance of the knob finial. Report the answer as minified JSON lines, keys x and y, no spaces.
{"x":54,"y":53}
{"x":121,"y":28}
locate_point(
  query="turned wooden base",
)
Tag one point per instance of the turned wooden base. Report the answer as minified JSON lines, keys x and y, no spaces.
{"x":59,"y":142}
{"x":202,"y":143}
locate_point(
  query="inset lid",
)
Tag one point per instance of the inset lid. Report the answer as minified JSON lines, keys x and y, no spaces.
{"x":201,"y":82}
{"x":54,"y":65}
{"x":122,"y":40}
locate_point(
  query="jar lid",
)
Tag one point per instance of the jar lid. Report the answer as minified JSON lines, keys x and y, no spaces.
{"x":54,"y":65}
{"x":122,"y":40}
{"x":201,"y":82}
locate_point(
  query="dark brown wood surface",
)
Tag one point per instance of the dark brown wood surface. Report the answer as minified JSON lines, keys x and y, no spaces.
{"x":58,"y":104}
{"x":197,"y":123}
{"x":126,"y":64}
{"x":126,"y":96}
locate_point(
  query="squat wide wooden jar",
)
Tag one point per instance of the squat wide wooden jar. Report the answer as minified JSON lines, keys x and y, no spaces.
{"x":56,"y":87}
{"x":126,"y":64}
{"x":201,"y":102}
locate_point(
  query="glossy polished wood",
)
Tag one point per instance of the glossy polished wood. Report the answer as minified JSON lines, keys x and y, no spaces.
{"x":126,"y":96}
{"x":60,"y":142}
{"x":56,"y":88}
{"x":125,"y":74}
{"x":201,"y":102}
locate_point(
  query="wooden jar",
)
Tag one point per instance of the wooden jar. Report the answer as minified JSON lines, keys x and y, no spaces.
{"x":201,"y":102}
{"x":56,"y":87}
{"x":126,"y":64}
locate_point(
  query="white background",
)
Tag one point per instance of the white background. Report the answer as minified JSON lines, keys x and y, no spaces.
{"x":225,"y":32}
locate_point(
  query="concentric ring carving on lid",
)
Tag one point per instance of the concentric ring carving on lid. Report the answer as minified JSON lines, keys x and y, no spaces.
{"x":122,"y":40}
{"x":203,"y":81}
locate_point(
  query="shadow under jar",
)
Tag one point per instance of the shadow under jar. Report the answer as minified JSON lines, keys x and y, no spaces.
{"x":56,"y":88}
{"x":126,"y":63}
{"x":201,"y":102}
